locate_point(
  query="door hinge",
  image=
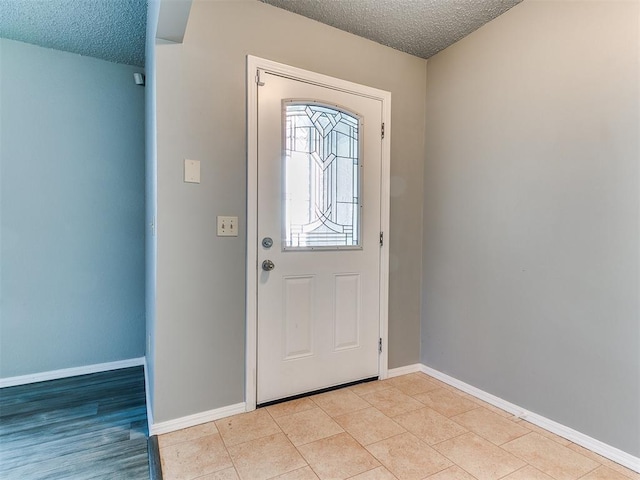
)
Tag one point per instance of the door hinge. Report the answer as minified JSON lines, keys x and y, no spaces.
{"x":260,"y":84}
{"x":382,"y":131}
{"x":381,"y":238}
{"x":380,"y":345}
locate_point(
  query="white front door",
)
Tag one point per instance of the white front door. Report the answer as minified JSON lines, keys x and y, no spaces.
{"x":318,"y":237}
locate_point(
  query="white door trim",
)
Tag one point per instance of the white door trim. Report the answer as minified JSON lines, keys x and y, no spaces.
{"x":253,"y":64}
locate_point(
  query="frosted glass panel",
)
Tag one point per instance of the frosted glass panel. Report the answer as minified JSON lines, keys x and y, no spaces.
{"x":322,"y":177}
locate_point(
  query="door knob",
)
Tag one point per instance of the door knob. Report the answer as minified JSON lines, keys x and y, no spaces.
{"x":268,"y":265}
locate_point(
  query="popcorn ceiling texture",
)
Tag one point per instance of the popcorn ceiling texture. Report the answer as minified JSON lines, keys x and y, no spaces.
{"x":112,"y":30}
{"x":418,"y":27}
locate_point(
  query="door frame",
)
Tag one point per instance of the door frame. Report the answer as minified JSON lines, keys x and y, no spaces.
{"x":251,"y":286}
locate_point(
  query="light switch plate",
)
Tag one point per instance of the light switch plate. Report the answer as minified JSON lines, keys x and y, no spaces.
{"x":227,"y":226}
{"x":191,"y":171}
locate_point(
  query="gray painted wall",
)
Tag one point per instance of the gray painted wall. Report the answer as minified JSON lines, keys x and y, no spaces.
{"x":72,"y":211}
{"x":201,"y":114}
{"x":531,"y":214}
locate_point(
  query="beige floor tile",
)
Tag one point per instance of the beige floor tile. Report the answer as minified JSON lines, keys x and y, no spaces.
{"x":429,"y":426}
{"x":379,"y":473}
{"x":408,"y":458}
{"x":308,"y":426}
{"x":226,"y":474}
{"x":633,"y":475}
{"x":440,"y":383}
{"x":261,"y":450}
{"x":528,"y":473}
{"x":293,"y":406}
{"x":186,"y":434}
{"x":301,"y":474}
{"x":413,"y":383}
{"x":544,"y":433}
{"x":499,"y":411}
{"x":491,"y":426}
{"x":337,"y":457}
{"x":369,"y":425}
{"x":451,"y":473}
{"x":604,"y":473}
{"x":246,"y":427}
{"x":550,"y":457}
{"x":340,"y":402}
{"x":265,"y":457}
{"x":446,"y":402}
{"x":488,"y":406}
{"x":194,"y":458}
{"x":370,"y":387}
{"x":479,"y":457}
{"x":392,"y":401}
{"x":605,"y":461}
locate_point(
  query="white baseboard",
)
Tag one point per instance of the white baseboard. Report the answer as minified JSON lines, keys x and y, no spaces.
{"x":607,"y":451}
{"x":396,"y":372}
{"x":147,"y":395}
{"x":196,"y":419}
{"x":70,"y":372}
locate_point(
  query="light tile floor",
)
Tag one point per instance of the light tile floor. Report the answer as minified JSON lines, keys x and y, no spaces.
{"x":412,"y":427}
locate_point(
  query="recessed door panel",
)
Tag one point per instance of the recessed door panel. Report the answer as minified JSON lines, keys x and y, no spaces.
{"x":346,"y":313}
{"x":298,"y":322}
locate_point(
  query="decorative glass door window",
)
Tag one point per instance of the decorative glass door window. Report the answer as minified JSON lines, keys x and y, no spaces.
{"x":321,"y":177}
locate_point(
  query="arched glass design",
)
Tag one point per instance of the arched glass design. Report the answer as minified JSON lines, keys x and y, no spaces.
{"x":321,"y":177}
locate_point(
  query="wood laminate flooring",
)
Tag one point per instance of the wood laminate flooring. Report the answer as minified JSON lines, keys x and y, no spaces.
{"x":85,"y":427}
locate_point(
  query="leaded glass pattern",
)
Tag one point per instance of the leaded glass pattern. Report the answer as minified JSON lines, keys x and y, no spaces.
{"x":322,"y":177}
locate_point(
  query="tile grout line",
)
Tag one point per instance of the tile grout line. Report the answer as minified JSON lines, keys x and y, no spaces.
{"x":282,"y":432}
{"x":505,"y":432}
{"x":510,"y":419}
{"x":590,"y":471}
{"x":514,"y":419}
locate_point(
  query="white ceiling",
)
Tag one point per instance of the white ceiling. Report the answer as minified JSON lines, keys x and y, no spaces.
{"x":115,"y":30}
{"x":112,"y":30}
{"x":418,"y":27}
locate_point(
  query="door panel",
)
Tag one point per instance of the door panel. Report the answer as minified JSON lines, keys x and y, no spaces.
{"x":298,"y":297}
{"x":347,"y":311}
{"x":318,"y":308}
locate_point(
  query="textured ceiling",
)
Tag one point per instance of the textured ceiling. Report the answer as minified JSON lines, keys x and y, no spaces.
{"x":419,"y":27}
{"x":112,"y":30}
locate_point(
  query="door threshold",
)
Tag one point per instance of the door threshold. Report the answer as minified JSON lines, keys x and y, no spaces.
{"x":316,"y":392}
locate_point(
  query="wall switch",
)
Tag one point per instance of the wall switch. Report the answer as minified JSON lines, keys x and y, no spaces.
{"x":227,"y":226}
{"x":192,"y":171}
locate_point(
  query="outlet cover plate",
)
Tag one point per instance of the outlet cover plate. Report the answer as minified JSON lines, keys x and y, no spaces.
{"x":192,"y":171}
